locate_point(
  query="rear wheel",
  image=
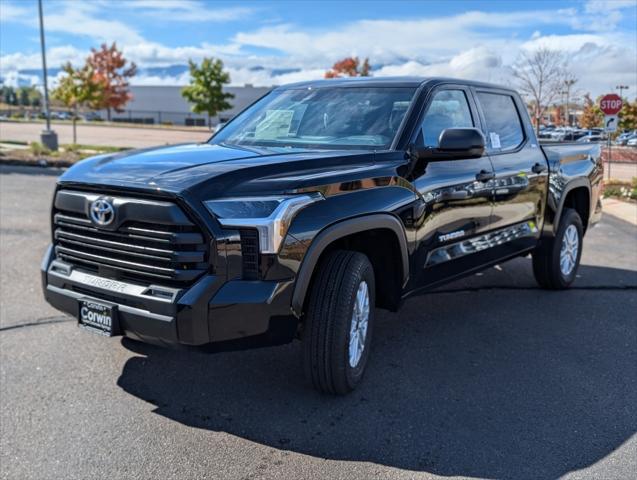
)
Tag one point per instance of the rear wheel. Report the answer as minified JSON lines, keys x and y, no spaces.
{"x":556,"y":260}
{"x":339,"y":322}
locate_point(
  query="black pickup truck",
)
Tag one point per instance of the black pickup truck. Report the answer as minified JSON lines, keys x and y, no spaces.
{"x":317,"y":204}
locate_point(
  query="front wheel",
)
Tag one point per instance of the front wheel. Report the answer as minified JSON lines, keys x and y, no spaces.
{"x":556,"y":260}
{"x":339,"y":322}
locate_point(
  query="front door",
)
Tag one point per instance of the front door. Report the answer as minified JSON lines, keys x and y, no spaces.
{"x":455,"y":195}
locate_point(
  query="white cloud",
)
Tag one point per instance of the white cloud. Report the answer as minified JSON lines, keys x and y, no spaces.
{"x":187,"y":11}
{"x":427,"y":39}
{"x":56,"y":56}
{"x":480,"y":63}
{"x":475,"y":45}
{"x":11,"y":12}
{"x":601,"y":6}
{"x":152,"y":53}
{"x":602,"y":15}
{"x":78,"y":20}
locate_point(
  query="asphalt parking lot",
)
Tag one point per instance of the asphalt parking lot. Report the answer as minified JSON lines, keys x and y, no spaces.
{"x":488,"y":377}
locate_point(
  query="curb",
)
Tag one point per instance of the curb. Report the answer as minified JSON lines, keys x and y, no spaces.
{"x":39,"y":164}
{"x":105,"y":124}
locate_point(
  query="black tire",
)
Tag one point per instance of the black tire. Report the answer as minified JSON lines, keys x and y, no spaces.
{"x":326,"y":333}
{"x":546,"y":257}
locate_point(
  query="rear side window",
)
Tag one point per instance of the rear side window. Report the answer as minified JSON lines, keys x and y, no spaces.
{"x":504,"y":128}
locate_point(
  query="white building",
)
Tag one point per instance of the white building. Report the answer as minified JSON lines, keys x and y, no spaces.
{"x":164,"y":104}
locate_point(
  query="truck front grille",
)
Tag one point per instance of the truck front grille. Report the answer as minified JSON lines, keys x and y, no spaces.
{"x":151,"y":241}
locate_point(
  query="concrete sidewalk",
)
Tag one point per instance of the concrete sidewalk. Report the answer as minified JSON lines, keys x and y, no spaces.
{"x":133,"y":137}
{"x":626,"y":211}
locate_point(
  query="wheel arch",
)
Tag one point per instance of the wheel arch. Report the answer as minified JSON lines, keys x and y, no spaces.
{"x":354,"y":230}
{"x":577,"y":195}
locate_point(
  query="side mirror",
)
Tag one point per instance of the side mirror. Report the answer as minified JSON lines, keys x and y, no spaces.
{"x":453,"y":144}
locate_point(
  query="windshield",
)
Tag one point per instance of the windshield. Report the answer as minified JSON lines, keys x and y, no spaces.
{"x":327,"y":118}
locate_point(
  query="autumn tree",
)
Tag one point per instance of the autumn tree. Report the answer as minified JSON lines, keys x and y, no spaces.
{"x":205,"y":91}
{"x":540,"y":75}
{"x":628,"y":115}
{"x":81,"y":86}
{"x":592,"y":116}
{"x":112,"y":71}
{"x":349,"y":67}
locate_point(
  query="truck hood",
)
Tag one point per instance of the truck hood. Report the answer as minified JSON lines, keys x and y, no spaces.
{"x":217,"y":170}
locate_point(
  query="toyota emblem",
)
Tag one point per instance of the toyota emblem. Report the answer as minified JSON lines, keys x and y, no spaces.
{"x":102,"y":212}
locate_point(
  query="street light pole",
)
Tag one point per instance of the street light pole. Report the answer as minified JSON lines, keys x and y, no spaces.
{"x":569,"y":83}
{"x":48,"y":137}
{"x":621,"y":88}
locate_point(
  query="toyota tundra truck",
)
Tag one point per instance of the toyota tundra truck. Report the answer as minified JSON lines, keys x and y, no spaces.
{"x":316,"y":205}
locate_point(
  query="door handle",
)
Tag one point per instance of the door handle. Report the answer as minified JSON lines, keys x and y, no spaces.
{"x":538,"y":168}
{"x":485,"y":176}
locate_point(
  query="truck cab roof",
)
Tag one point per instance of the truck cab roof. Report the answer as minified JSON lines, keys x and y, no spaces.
{"x":397,"y":81}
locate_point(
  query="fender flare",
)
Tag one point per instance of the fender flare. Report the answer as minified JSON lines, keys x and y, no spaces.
{"x":342,"y":229}
{"x":572,"y":185}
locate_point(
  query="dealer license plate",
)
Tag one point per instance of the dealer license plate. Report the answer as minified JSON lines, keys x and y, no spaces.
{"x":98,"y":317}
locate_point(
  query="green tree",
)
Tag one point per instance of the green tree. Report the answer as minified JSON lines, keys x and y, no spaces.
{"x":205,"y":91}
{"x":79,"y":87}
{"x":9,"y":96}
{"x":25,"y":101}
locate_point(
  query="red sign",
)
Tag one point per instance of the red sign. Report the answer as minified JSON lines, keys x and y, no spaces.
{"x":610,"y":104}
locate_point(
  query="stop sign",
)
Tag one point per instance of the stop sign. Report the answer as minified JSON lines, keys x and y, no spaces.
{"x":610,"y":104}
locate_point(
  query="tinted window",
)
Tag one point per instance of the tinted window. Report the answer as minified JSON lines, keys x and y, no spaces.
{"x":504,"y":129}
{"x":329,"y":118}
{"x":448,"y":109}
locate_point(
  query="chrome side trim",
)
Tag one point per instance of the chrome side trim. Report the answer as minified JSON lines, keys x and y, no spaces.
{"x":482,"y":242}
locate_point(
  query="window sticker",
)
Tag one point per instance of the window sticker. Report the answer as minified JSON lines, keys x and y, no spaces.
{"x":276,"y":124}
{"x":495,"y":140}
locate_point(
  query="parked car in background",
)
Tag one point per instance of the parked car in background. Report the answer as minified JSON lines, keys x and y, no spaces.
{"x":574,"y":135}
{"x":592,"y":136}
{"x":91,"y":117}
{"x":625,"y":137}
{"x":545,"y":135}
{"x":558,"y":134}
{"x":632,"y":142}
{"x":61,"y":116}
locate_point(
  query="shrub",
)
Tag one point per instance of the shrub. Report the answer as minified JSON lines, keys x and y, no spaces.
{"x":38,"y":149}
{"x":621,"y":190}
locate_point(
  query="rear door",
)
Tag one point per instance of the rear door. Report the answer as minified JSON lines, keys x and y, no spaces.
{"x":521,"y":171}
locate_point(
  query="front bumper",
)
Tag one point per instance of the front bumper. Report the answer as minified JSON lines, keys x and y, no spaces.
{"x":211,"y":312}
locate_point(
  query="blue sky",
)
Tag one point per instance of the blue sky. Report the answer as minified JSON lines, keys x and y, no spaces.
{"x":267,"y":43}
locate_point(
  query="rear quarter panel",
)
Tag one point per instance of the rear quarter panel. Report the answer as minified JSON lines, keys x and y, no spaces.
{"x":572,"y":166}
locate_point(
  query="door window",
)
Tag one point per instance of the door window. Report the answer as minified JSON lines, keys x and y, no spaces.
{"x":504,"y":128}
{"x":448,"y":109}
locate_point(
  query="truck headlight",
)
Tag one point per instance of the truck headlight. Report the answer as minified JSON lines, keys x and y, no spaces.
{"x":270,"y":215}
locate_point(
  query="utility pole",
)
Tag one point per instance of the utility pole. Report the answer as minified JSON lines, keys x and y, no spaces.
{"x":48,"y":137}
